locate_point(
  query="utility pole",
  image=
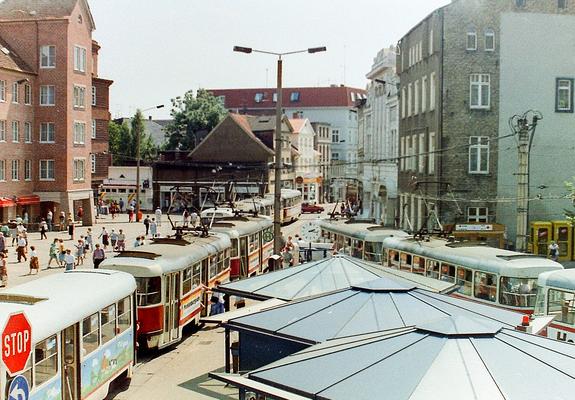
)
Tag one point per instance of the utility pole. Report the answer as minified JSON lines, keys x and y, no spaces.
{"x":278,"y":163}
{"x":525,"y":132}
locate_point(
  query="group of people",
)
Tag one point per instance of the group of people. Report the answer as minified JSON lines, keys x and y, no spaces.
{"x":290,"y":253}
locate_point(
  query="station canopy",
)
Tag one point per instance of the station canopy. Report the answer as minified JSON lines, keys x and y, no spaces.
{"x":373,"y":306}
{"x":449,"y":358}
{"x":318,"y":277}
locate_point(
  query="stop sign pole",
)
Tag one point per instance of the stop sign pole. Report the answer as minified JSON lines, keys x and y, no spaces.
{"x":16,"y":343}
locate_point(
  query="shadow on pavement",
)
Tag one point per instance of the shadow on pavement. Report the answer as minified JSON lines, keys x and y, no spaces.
{"x":211,"y":388}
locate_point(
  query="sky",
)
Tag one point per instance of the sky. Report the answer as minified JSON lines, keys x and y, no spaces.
{"x":155,"y":50}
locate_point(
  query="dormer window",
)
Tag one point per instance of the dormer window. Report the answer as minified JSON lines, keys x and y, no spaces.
{"x":294,"y":96}
{"x":259,"y":97}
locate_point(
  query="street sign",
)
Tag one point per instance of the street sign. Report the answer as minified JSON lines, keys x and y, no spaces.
{"x":268,"y":236}
{"x":16,"y":343}
{"x":19,"y":389}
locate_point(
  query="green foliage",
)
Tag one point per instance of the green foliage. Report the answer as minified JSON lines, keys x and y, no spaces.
{"x":123,"y":141}
{"x":192,"y":115}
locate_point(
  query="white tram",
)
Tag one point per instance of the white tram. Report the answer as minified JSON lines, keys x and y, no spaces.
{"x":83,"y":333}
{"x":171,"y":275}
{"x":556,"y":297}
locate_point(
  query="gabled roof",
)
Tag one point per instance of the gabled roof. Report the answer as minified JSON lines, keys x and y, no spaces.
{"x":41,"y":9}
{"x":297,"y":124}
{"x":332,"y":96}
{"x":10,"y":60}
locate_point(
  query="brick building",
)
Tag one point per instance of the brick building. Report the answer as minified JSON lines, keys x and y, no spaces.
{"x":52,"y":104}
{"x":451,"y":117}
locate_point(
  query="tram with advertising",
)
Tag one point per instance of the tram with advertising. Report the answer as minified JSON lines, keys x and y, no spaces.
{"x":172,"y":275}
{"x":90,"y":343}
{"x":556,"y":297}
{"x":251,"y":243}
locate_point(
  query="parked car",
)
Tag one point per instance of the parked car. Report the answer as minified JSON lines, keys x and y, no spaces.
{"x":311,"y":208}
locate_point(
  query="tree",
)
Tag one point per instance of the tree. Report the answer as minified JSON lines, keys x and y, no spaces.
{"x":191,"y":117}
{"x":123,"y":141}
{"x":120,"y":138}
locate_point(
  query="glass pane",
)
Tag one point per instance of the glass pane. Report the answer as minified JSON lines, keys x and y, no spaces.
{"x":485,"y":286}
{"x":518,"y":292}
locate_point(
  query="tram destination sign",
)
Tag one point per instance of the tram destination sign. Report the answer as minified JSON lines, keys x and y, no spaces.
{"x":473,"y":227}
{"x":16,"y":343}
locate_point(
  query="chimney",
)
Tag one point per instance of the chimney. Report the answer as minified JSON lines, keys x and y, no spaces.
{"x":295,"y":115}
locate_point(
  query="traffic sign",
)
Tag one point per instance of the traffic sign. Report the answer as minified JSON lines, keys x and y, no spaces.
{"x":16,"y":343}
{"x":19,"y":389}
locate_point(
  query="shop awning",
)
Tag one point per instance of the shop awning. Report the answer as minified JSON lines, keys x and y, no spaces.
{"x":26,"y":200}
{"x":6,"y":202}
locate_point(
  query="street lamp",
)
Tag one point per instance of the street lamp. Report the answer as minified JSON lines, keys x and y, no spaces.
{"x":138,"y":140}
{"x":278,"y":135}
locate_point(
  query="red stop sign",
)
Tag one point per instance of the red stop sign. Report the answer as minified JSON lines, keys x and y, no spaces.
{"x":16,"y":343}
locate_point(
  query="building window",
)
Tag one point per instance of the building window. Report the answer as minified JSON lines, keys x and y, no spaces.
{"x":15,"y":131}
{"x":94,"y":96}
{"x":79,"y":59}
{"x":520,"y":3}
{"x":403,"y":100}
{"x":2,"y":91}
{"x":48,"y":57}
{"x":335,"y":156}
{"x":562,"y":4}
{"x":27,"y":94}
{"x":431,"y":155}
{"x":335,"y":135}
{"x":432,"y":91}
{"x":79,"y":169}
{"x":93,"y":163}
{"x":275,"y":97}
{"x":409,"y":98}
{"x":2,"y":130}
{"x":564,"y":95}
{"x":47,"y":132}
{"x":93,"y":129}
{"x":2,"y":170}
{"x":15,"y":170}
{"x":477,"y":214}
{"x":79,"y":132}
{"x":28,"y":170}
{"x":402,"y":154}
{"x":422,"y":155}
{"x":28,"y":132}
{"x":46,"y":170}
{"x":471,"y":39}
{"x":424,"y":94}
{"x":416,"y":97}
{"x":15,"y":97}
{"x":479,"y":93}
{"x":294,"y":96}
{"x":79,"y":96}
{"x":47,"y":95}
{"x":431,"y":42}
{"x":478,"y":155}
{"x":259,"y":97}
{"x":489,"y":39}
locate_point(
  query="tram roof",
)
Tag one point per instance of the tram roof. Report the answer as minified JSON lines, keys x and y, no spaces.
{"x":422,"y":363}
{"x":373,"y":306}
{"x":478,"y":256}
{"x":327,"y":275}
{"x":561,"y":279}
{"x":54,"y":302}
{"x":241,"y":226}
{"x":362,"y":230}
{"x":158,"y":258}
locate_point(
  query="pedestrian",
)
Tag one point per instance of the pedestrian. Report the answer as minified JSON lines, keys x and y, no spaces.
{"x":13,"y":231}
{"x":113,"y":210}
{"x":554,"y":251}
{"x":26,"y":219}
{"x":217,"y":302}
{"x":121,"y":204}
{"x":80,"y":251}
{"x":71,"y":228}
{"x":49,"y":218}
{"x":34,"y":263}
{"x":121,"y":241}
{"x":287,"y":257}
{"x":186,"y":217}
{"x":3,"y":269}
{"x":131,"y":214}
{"x":20,"y":228}
{"x":2,"y":242}
{"x":147,"y":224}
{"x":21,"y":249}
{"x":43,"y":229}
{"x":114,"y":239}
{"x":53,"y":253}
{"x":137,"y":242}
{"x":158,"y":216}
{"x":69,"y":260}
{"x":62,"y":220}
{"x":194,"y":218}
{"x":61,"y":252}
{"x":98,"y":256}
{"x":89,"y":240}
{"x":80,"y":213}
{"x":105,"y":237}
{"x":153,"y":228}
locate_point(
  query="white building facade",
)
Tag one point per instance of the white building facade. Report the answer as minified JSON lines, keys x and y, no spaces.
{"x":306,"y":163}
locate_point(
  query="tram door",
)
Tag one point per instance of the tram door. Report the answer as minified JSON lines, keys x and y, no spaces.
{"x":172,"y":308}
{"x":70,"y":363}
{"x":244,"y":257}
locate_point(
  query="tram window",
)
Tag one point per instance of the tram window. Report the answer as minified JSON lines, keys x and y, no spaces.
{"x":124,"y":315}
{"x":518,"y":292}
{"x":432,"y":269}
{"x":418,"y":265}
{"x":373,"y":251}
{"x":45,"y":360}
{"x":187,"y":280}
{"x":234,"y":247}
{"x":448,"y":273}
{"x":90,"y":334}
{"x":27,"y":373}
{"x":393,"y":258}
{"x":213,"y":266}
{"x":149,"y":291}
{"x":406,"y":260}
{"x":108,"y":320}
{"x":357,"y":248}
{"x":485,"y":286}
{"x":465,"y":281}
{"x":562,"y":304}
{"x":196,"y":275}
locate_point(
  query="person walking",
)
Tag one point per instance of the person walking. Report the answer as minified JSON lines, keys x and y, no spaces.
{"x":153,"y":228}
{"x":2,"y":242}
{"x":49,"y":218}
{"x":53,"y":253}
{"x":554,"y":251}
{"x":43,"y":229}
{"x":62,"y":220}
{"x":80,"y":252}
{"x":131,"y":214}
{"x":98,"y":256}
{"x":158,"y":213}
{"x":121,"y":241}
{"x":194,"y":219}
{"x":147,"y":224}
{"x":105,"y":238}
{"x":69,"y":260}
{"x":186,"y":217}
{"x":89,"y":240}
{"x":4,"y":269}
{"x":121,"y":204}
{"x":71,"y":228}
{"x":21,"y":249}
{"x":114,"y":239}
{"x":61,"y":253}
{"x":13,"y":231}
{"x":34,"y":263}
